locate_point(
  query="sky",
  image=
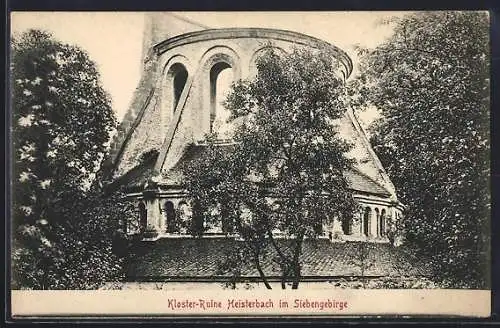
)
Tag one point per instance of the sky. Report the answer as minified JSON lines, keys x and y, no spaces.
{"x":114,"y":39}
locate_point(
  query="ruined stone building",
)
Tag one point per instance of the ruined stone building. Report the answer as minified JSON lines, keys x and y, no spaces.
{"x":177,"y":101}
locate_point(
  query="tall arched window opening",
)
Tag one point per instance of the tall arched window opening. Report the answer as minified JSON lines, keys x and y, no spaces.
{"x":377,"y":222}
{"x":221,"y":78}
{"x":179,"y":77}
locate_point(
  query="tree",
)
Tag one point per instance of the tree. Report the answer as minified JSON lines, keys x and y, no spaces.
{"x":284,"y":171}
{"x":89,"y":250}
{"x":430,"y":80}
{"x":61,"y":123}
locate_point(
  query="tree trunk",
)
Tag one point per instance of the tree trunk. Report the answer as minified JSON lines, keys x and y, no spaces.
{"x":296,"y":260}
{"x":261,"y":273}
{"x":283,"y":277}
{"x":296,"y":276}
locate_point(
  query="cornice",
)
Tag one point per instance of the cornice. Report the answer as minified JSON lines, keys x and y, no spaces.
{"x":265,"y":33}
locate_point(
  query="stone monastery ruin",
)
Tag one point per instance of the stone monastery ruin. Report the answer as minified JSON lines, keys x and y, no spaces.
{"x":186,"y":66}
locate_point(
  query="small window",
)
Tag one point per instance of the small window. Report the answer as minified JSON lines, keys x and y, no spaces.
{"x":347,"y":226}
{"x":169,"y":212}
{"x":143,"y":216}
{"x":366,"y":221}
{"x":382,"y":223}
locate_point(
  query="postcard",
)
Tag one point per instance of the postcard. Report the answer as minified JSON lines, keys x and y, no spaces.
{"x":250,"y":164}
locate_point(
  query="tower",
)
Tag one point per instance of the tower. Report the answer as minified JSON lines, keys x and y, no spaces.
{"x":160,"y":26}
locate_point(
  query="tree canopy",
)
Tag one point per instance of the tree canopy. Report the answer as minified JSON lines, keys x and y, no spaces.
{"x":61,"y":123}
{"x":284,"y":171}
{"x":430,"y":81}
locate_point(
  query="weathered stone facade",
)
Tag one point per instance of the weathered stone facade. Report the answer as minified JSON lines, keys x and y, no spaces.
{"x":173,"y":107}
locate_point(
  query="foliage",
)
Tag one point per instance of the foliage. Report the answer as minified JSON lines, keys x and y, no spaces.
{"x":430,"y":80}
{"x":387,"y":283}
{"x":85,"y":251}
{"x":363,"y":261}
{"x":148,"y":156}
{"x":61,"y":121}
{"x":285,"y":170}
{"x":412,"y":282}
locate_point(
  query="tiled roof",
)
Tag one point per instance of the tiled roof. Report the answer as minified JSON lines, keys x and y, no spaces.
{"x":197,"y":258}
{"x":137,"y":177}
{"x":361,"y":182}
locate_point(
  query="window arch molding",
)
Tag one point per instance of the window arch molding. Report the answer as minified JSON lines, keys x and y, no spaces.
{"x":176,"y":59}
{"x":259,"y":52}
{"x":222,"y":56}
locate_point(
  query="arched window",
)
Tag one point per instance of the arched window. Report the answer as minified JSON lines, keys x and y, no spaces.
{"x":185,"y":217}
{"x":377,"y":221}
{"x":382,"y":223}
{"x":347,"y":226}
{"x":179,"y":76}
{"x":169,"y":213}
{"x":366,"y":221}
{"x":227,"y":220}
{"x":143,"y":216}
{"x":318,"y":225}
{"x":221,"y":78}
{"x":259,"y":53}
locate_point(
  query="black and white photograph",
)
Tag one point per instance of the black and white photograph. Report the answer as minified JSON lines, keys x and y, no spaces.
{"x":251,"y":163}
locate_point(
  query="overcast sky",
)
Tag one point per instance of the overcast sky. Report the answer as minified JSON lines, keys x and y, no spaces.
{"x":114,"y":39}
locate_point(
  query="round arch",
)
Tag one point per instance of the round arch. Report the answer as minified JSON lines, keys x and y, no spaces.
{"x":259,"y":52}
{"x":215,"y":61}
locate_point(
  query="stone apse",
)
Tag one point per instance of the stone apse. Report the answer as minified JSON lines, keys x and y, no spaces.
{"x":186,"y":66}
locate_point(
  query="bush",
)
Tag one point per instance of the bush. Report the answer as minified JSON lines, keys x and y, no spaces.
{"x":86,"y":248}
{"x":387,"y":283}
